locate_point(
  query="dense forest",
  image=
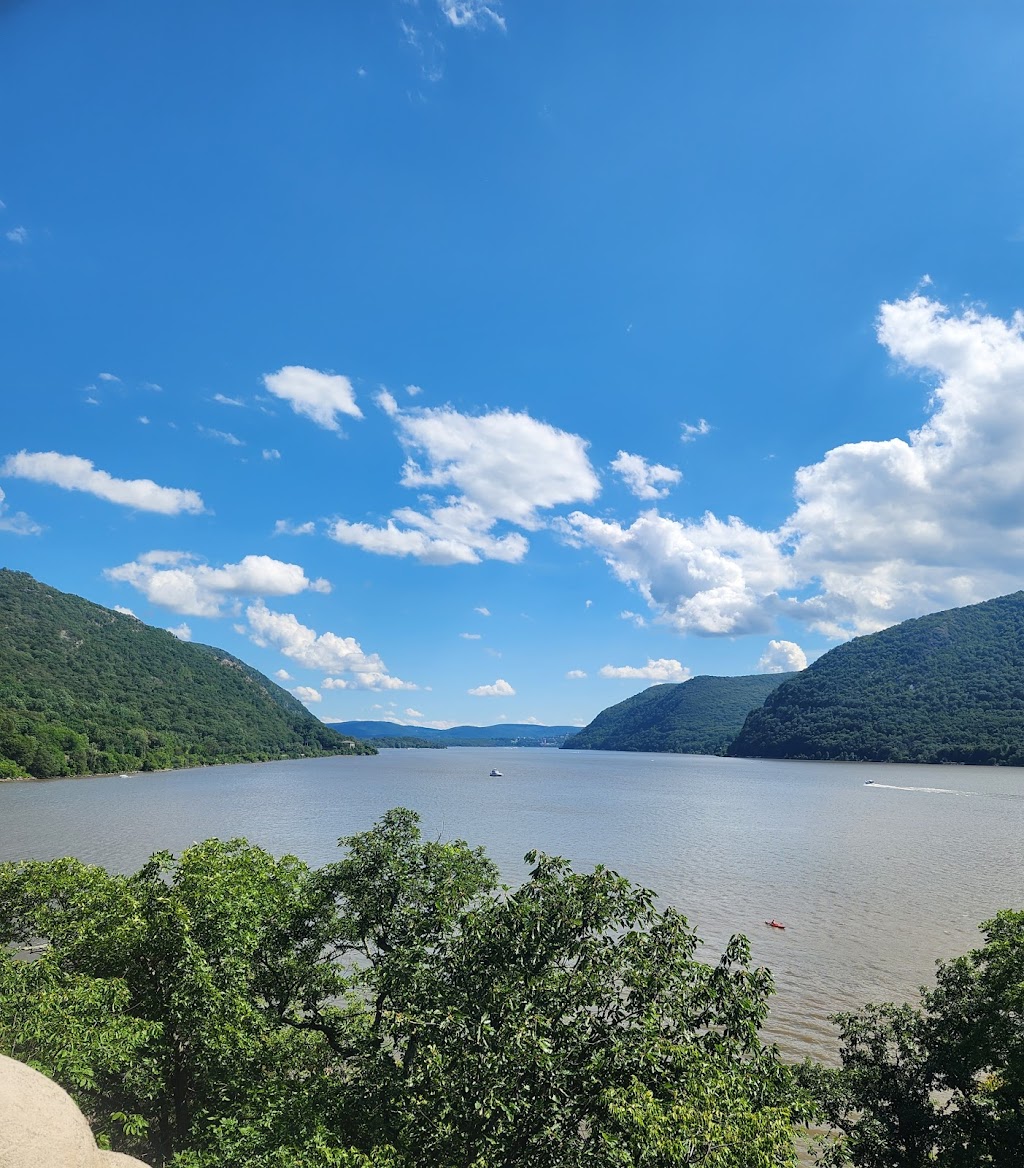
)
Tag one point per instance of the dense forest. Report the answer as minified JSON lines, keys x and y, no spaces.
{"x":699,"y":716}
{"x":948,"y":687}
{"x":85,"y":690}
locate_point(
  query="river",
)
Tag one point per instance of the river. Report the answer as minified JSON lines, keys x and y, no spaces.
{"x":872,"y":882}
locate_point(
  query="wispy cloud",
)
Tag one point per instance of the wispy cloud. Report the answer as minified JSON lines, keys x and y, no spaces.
{"x":17,"y":235}
{"x":220,"y":435}
{"x":17,"y":523}
{"x":224,"y":400}
{"x":473,"y":13}
{"x":691,"y":433}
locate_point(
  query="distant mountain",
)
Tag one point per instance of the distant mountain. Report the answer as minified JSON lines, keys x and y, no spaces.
{"x":699,"y":716}
{"x":948,"y":687}
{"x":86,"y":690}
{"x":504,"y":734}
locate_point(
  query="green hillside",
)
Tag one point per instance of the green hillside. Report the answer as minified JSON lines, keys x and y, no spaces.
{"x":85,"y":690}
{"x":948,"y":687}
{"x":699,"y":716}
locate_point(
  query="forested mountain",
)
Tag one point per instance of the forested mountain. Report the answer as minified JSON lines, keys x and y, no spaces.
{"x":86,"y":690}
{"x":504,"y":734}
{"x":947,"y":687}
{"x":699,"y":716}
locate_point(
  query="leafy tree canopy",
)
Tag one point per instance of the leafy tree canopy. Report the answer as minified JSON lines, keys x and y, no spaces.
{"x":398,"y":1008}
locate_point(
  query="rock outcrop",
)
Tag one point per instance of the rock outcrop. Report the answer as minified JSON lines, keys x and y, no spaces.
{"x":41,"y":1126}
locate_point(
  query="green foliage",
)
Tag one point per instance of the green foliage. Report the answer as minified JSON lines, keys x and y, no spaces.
{"x":940,"y":1085}
{"x":699,"y":716}
{"x":84,"y":690}
{"x":404,"y":742}
{"x":941,"y":688}
{"x":396,"y":1009}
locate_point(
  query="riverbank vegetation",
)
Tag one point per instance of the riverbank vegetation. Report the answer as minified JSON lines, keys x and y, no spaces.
{"x":86,"y":690}
{"x":399,"y":1008}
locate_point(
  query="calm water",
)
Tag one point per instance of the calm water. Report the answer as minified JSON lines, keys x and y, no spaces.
{"x":873,"y":882}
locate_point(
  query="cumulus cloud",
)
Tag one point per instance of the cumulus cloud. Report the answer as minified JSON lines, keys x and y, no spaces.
{"x":645,"y":479}
{"x":306,"y":694}
{"x":500,"y":689}
{"x":124,"y":611}
{"x":387,"y":402}
{"x":17,"y":523}
{"x":575,"y":674}
{"x":326,"y":652}
{"x":664,"y":669}
{"x":271,"y":455}
{"x":710,"y":576}
{"x":782,"y":657}
{"x":282,"y":675}
{"x":109,"y":377}
{"x":321,"y":397}
{"x":691,"y":433}
{"x":501,"y":467}
{"x":182,"y":632}
{"x":413,"y":390}
{"x":78,"y":474}
{"x":184,"y":584}
{"x":882,"y":530}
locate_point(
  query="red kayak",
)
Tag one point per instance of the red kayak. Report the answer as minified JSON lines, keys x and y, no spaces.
{"x":774,"y":924}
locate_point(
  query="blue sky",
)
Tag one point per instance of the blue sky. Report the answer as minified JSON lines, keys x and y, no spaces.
{"x":543,"y":351}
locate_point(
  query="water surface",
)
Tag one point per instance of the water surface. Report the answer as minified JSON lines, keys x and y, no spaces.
{"x":873,"y":882}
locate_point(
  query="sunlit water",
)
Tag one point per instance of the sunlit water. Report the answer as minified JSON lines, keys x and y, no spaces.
{"x":872,"y":882}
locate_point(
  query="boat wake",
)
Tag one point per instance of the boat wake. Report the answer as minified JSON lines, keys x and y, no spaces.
{"x":928,"y":790}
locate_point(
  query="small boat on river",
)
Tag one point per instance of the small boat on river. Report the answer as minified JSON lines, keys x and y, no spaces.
{"x":496,"y":775}
{"x":774,"y":924}
{"x":869,"y":782}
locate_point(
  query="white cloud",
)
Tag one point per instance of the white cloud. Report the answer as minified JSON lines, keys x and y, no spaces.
{"x":411,"y":713}
{"x":691,"y":433}
{"x":644,"y":478}
{"x":710,"y":577}
{"x":17,"y":235}
{"x":180,"y":582}
{"x":575,"y":674}
{"x":664,"y":669}
{"x":387,"y":402}
{"x":78,"y":474}
{"x":882,"y":530}
{"x":782,"y":657}
{"x":472,"y":13}
{"x":182,"y":632}
{"x":108,"y":377}
{"x":271,"y":455}
{"x":223,"y":399}
{"x":502,"y":467}
{"x":143,"y":420}
{"x":17,"y":524}
{"x":470,"y":636}
{"x":221,"y":436}
{"x":483,"y":611}
{"x":891,"y":529}
{"x":413,"y":390}
{"x":327,"y":652}
{"x":588,"y":604}
{"x":500,"y":689}
{"x":283,"y":675}
{"x":306,"y":694}
{"x":318,"y":396}
{"x":286,"y":527}
{"x":124,"y":611}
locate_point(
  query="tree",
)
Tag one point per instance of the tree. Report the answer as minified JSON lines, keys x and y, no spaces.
{"x":943,"y":1083}
{"x":398,"y":1008}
